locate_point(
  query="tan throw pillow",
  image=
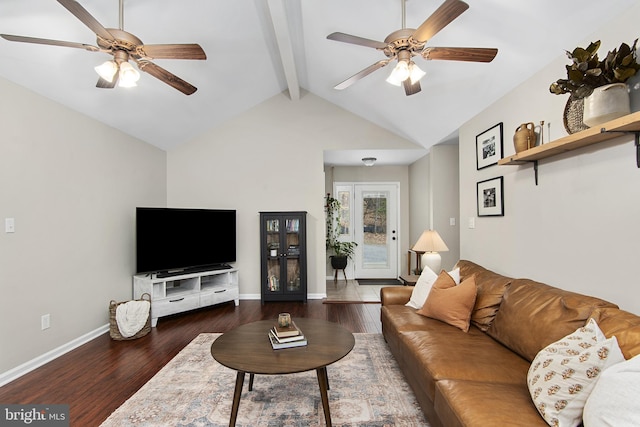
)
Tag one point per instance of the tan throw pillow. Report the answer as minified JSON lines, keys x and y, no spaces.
{"x":450,"y":303}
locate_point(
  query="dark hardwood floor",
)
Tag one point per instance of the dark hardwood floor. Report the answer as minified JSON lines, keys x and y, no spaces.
{"x":98,"y":377}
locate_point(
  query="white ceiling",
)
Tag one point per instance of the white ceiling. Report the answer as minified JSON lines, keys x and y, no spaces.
{"x":259,"y":48}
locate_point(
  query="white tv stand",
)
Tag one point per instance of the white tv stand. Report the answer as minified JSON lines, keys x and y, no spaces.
{"x":183,"y":292}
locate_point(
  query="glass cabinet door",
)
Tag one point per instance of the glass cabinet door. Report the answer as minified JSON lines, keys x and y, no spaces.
{"x":272,"y":227}
{"x":292,"y":239}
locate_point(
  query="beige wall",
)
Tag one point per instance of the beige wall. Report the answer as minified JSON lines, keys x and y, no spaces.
{"x":419,"y":202}
{"x":445,"y":196}
{"x":72,"y":185}
{"x":271,"y":159}
{"x":578,"y":229}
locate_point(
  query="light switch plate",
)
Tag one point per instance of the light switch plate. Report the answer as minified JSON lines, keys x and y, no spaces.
{"x":9,"y":225}
{"x":472,"y":222}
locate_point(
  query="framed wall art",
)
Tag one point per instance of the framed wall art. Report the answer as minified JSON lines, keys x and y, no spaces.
{"x":489,"y":147}
{"x":490,"y":197}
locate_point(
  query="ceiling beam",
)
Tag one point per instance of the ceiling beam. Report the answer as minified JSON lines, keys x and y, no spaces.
{"x":283,"y":37}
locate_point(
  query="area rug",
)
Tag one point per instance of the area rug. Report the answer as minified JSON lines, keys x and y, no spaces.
{"x":366,"y":389}
{"x":379,"y":282}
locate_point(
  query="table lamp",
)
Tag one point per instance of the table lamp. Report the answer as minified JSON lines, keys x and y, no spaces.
{"x":430,"y":243}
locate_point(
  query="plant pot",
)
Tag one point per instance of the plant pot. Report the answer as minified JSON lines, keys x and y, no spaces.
{"x":339,"y":262}
{"x":606,"y":103}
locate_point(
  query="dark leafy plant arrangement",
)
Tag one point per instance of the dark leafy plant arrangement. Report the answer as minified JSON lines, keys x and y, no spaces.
{"x":587,"y":72}
{"x":331,"y":209}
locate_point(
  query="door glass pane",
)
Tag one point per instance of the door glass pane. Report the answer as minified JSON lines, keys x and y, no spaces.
{"x":344,"y":216}
{"x":374,"y":211}
{"x":273,"y":258}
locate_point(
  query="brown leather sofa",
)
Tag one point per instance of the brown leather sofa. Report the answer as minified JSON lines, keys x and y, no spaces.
{"x":479,"y":378}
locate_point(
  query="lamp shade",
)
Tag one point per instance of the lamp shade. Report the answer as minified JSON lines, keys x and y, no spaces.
{"x":430,"y":241}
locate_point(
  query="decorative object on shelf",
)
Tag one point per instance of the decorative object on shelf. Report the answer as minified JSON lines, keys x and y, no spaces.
{"x":573,"y":113}
{"x":489,"y":147}
{"x":606,"y":103}
{"x":369,"y":161}
{"x":490,"y":197}
{"x":586,"y":73}
{"x":430,"y":243}
{"x":524,"y":137}
{"x":342,"y":251}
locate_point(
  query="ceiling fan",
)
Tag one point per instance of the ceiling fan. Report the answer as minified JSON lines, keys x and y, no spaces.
{"x":123,"y":46}
{"x":404,"y":44}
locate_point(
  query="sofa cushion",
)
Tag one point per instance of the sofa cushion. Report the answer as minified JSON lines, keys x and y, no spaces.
{"x":624,"y":325}
{"x":532,"y":315}
{"x":614,"y":399}
{"x":563,"y":374}
{"x":440,"y":351}
{"x":449,"y":302}
{"x":491,"y":287}
{"x":461,"y":403}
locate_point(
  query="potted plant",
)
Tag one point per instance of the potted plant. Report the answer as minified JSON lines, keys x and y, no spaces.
{"x":586,"y":73}
{"x":342,"y":251}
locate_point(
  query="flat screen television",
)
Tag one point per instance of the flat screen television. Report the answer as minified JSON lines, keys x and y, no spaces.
{"x":174,"y":240}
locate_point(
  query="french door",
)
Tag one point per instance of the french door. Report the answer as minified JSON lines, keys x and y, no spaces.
{"x":376,"y":231}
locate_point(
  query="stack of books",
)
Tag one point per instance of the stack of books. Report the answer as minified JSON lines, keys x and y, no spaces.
{"x":288,"y":337}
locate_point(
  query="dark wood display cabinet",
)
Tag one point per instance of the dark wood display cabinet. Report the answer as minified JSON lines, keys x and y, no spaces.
{"x":283,"y":256}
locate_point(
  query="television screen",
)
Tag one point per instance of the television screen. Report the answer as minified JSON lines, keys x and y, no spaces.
{"x":181,"y":239}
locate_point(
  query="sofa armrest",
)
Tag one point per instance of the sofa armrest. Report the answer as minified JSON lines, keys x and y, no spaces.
{"x":395,"y":295}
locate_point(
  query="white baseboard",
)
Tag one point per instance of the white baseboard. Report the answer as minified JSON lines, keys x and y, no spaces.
{"x":18,"y":371}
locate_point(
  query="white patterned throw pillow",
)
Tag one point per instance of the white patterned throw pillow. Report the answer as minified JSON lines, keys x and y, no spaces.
{"x":563,"y":374}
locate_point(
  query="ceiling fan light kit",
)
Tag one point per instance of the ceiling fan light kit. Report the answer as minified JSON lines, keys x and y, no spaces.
{"x":123,"y":46}
{"x":107,"y":70}
{"x":403,"y":44}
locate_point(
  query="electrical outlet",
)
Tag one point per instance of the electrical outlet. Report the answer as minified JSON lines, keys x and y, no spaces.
{"x":45,"y":321}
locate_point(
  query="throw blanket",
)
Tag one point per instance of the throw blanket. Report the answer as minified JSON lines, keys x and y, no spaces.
{"x":131,"y":317}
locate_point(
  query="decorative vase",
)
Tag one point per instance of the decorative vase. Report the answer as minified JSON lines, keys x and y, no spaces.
{"x":525,"y":137}
{"x":606,"y":103}
{"x":573,"y":115}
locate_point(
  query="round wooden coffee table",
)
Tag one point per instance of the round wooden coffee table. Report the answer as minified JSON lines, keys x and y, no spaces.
{"x":247,"y":349}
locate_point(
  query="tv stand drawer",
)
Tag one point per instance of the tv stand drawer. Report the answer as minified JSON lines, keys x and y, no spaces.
{"x":175,"y":304}
{"x":219,"y":295}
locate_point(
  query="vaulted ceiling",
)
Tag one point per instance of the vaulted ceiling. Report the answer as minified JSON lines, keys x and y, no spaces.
{"x":259,"y":48}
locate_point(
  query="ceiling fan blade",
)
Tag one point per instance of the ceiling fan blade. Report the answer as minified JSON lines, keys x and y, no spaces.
{"x":87,"y":19}
{"x":35,"y":40}
{"x":472,"y":54}
{"x":370,"y":69}
{"x":167,"y":77}
{"x":447,"y":12}
{"x":348,"y":38}
{"x":106,"y":84}
{"x":171,"y":51}
{"x":411,"y":89}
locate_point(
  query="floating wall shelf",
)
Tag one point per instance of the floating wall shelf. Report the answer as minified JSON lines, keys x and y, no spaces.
{"x":604,"y":132}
